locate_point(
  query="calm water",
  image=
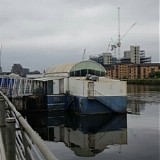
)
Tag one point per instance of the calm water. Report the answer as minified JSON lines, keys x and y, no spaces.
{"x":113,"y":137}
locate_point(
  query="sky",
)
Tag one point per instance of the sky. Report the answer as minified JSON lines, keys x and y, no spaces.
{"x":42,"y":33}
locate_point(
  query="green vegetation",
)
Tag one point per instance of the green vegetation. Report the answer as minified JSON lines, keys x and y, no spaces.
{"x":154,"y":74}
{"x":154,"y":81}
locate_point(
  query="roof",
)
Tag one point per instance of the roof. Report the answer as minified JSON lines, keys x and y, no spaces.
{"x":63,"y":68}
{"x":149,"y":64}
{"x":66,"y":68}
{"x":47,"y":78}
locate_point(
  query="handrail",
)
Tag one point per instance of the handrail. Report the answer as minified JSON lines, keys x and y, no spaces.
{"x":2,"y":148}
{"x":98,"y":94}
{"x":35,"y":138}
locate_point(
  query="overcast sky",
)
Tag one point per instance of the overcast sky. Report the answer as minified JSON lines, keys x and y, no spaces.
{"x":42,"y":33}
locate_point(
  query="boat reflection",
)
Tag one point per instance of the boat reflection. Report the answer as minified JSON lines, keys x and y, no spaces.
{"x":85,"y":135}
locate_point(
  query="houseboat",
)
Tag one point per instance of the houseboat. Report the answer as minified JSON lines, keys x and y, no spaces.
{"x":84,"y":88}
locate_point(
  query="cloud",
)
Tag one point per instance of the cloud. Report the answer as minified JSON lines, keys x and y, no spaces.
{"x":58,"y":31}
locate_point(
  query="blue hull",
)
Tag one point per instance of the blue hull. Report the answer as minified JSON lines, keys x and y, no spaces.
{"x":56,"y":102}
{"x":99,"y":105}
{"x":83,"y":105}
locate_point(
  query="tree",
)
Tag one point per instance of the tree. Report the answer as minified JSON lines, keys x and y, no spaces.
{"x":154,"y":74}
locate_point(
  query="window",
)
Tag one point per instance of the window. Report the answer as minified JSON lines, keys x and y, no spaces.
{"x":87,"y":67}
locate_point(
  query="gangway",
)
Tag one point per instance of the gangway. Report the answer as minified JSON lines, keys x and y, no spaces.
{"x":16,"y":86}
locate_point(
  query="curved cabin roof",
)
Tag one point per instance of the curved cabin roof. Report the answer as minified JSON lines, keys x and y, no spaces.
{"x":63,"y":68}
{"x":78,"y":69}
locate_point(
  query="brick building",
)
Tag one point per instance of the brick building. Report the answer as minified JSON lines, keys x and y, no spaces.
{"x":147,"y":68}
{"x":131,"y":70}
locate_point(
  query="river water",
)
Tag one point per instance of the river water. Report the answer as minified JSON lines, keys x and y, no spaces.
{"x":135,"y":135}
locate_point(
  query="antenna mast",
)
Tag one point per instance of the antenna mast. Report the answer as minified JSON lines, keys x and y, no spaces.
{"x":119,"y":34}
{"x":0,"y":59}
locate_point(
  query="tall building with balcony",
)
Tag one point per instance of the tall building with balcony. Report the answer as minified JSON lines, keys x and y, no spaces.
{"x":135,"y":55}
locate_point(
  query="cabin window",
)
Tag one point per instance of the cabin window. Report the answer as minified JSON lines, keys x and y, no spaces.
{"x":87,"y":67}
{"x":83,"y":72}
{"x":72,"y":74}
{"x":77,"y":73}
{"x":91,"y":71}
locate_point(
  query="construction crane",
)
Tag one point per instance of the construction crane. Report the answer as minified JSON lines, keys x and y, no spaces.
{"x":109,"y":44}
{"x":119,"y":34}
{"x":128,"y":30}
{"x":1,"y":59}
{"x":117,"y":44}
{"x":83,"y":56}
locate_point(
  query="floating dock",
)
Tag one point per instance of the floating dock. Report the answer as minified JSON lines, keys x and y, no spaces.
{"x":83,"y":87}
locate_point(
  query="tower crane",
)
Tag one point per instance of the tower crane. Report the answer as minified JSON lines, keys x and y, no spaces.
{"x":117,"y":44}
{"x":83,"y":56}
{"x":1,"y":59}
{"x":128,"y":30}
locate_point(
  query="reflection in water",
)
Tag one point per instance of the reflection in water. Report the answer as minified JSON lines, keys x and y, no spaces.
{"x":140,"y":95}
{"x":85,"y":135}
{"x":142,"y":88}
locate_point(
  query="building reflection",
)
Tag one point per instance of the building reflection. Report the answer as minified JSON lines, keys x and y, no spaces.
{"x":85,"y":135}
{"x":138,"y":96}
{"x":133,"y":107}
{"x":131,"y":88}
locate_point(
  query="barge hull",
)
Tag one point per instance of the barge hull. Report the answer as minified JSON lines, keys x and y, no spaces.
{"x":100,"y":105}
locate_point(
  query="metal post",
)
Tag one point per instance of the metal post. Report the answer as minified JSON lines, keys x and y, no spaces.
{"x":2,"y":112}
{"x":10,"y":138}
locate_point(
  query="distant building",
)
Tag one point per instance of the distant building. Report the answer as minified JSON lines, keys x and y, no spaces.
{"x":35,"y":72}
{"x":94,"y":58}
{"x":17,"y":69}
{"x":25,"y":70}
{"x":104,"y":58}
{"x":144,"y":59}
{"x":133,"y":65}
{"x":132,"y":71}
{"x":147,"y":68}
{"x":123,"y":71}
{"x":0,"y":70}
{"x":135,"y":55}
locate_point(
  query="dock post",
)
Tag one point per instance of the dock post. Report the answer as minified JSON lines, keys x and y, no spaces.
{"x":2,"y":112}
{"x":10,"y":138}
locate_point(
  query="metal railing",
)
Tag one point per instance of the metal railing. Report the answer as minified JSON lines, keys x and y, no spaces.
{"x":15,"y":86}
{"x":93,"y":94}
{"x":20,"y":141}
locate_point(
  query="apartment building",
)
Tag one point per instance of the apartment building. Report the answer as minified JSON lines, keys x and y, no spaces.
{"x":135,"y":55}
{"x":132,"y":71}
{"x":147,"y":68}
{"x":123,"y":71}
{"x":104,"y":58}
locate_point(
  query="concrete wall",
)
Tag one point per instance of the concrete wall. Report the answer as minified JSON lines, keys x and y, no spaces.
{"x":104,"y":87}
{"x":78,"y":87}
{"x":111,"y":88}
